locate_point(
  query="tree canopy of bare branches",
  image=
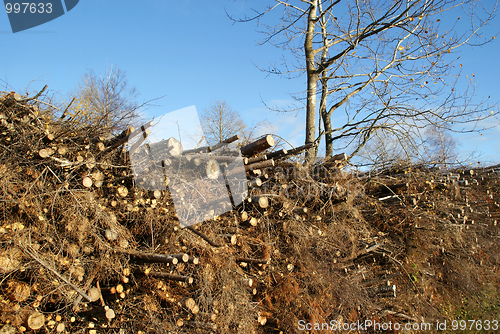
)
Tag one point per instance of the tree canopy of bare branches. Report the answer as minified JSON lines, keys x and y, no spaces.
{"x":219,"y":121}
{"x":106,"y":100}
{"x":378,"y":65}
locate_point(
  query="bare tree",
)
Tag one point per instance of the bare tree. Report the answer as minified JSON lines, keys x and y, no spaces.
{"x":219,"y":121}
{"x":440,"y":146}
{"x":106,"y":100}
{"x":385,"y":65}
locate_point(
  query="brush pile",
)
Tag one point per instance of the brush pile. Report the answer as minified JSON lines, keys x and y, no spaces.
{"x":87,"y":246}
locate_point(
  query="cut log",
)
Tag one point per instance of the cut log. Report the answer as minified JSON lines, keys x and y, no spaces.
{"x":189,"y":303}
{"x":258,"y":146}
{"x":262,"y":320}
{"x":48,"y":138}
{"x":277,"y":154}
{"x":296,"y":150}
{"x":110,"y":234}
{"x":261,"y":201}
{"x":36,"y":320}
{"x":250,"y":222}
{"x":256,"y":159}
{"x":122,"y":191}
{"x":259,"y":165}
{"x":174,"y":147}
{"x":300,"y":210}
{"x":208,"y":149}
{"x":62,"y":150}
{"x":254,"y":183}
{"x":181,"y":257}
{"x":244,"y":215}
{"x":139,"y":142}
{"x":157,"y":194}
{"x":94,"y":294}
{"x":230,"y":238}
{"x":163,"y":258}
{"x":110,"y":314}
{"x":212,"y":169}
{"x":87,"y":182}
{"x":45,"y":152}
{"x":207,"y":316}
{"x":11,"y":98}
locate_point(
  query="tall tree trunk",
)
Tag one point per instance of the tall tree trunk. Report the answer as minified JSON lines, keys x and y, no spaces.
{"x":327,"y":122}
{"x":312,"y":82}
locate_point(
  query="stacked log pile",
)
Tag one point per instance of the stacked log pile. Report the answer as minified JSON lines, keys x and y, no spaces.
{"x":88,"y":242}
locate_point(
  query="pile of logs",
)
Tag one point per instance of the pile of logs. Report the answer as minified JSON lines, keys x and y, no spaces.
{"x":92,"y":241}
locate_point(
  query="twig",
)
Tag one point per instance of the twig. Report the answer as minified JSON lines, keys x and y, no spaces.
{"x":203,"y":236}
{"x":254,"y":261}
{"x":65,"y":280}
{"x":34,"y":97}
{"x":66,"y":110}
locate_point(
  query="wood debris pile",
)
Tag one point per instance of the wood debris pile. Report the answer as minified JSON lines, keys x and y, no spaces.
{"x":85,"y":245}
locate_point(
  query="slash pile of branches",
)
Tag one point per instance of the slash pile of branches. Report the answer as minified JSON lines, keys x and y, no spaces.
{"x":87,"y":246}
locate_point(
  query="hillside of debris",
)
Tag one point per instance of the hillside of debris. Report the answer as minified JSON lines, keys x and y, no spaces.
{"x":88,"y":247}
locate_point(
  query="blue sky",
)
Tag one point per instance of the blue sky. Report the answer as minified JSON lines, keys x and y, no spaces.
{"x":192,"y":53}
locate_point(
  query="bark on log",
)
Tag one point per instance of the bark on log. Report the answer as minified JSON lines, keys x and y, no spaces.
{"x":203,"y":236}
{"x":254,"y":183}
{"x":11,"y":98}
{"x":259,"y":165}
{"x":252,"y":222}
{"x":296,"y":150}
{"x":153,"y":258}
{"x":207,"y":149}
{"x":181,"y":257}
{"x":335,"y":160}
{"x":300,"y":210}
{"x":139,"y":142}
{"x":118,"y":140}
{"x":277,"y":154}
{"x":256,"y":159}
{"x":258,"y":146}
{"x":261,"y":201}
